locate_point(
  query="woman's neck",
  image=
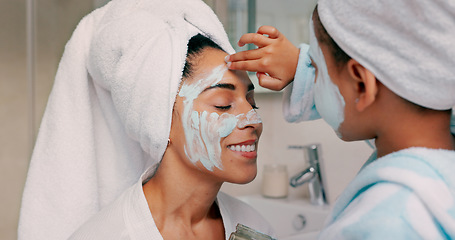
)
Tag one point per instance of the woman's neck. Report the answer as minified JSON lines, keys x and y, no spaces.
{"x":180,"y":194}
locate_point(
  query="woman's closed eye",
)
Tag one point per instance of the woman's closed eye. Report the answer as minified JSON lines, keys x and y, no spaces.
{"x":227,"y":107}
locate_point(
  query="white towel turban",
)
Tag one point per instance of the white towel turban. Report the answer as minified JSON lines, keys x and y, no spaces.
{"x":109,"y":114}
{"x":408,"y":44}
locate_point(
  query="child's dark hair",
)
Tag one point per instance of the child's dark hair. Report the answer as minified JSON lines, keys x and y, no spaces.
{"x":339,"y":55}
{"x":195,"y":46}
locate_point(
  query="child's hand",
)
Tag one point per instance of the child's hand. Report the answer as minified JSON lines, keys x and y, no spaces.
{"x":276,"y":56}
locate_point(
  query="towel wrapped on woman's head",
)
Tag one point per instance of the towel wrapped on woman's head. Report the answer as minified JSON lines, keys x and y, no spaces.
{"x":109,"y":114}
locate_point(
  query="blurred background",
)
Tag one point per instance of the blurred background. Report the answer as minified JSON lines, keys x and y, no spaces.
{"x":32,"y":39}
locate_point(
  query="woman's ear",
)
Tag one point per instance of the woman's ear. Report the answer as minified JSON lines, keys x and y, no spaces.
{"x":365,"y":84}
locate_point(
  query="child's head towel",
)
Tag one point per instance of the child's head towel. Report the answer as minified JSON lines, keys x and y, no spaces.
{"x":407,"y":44}
{"x":109,"y":114}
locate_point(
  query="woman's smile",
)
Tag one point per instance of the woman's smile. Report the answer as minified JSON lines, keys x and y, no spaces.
{"x":246,"y":149}
{"x":246,"y":146}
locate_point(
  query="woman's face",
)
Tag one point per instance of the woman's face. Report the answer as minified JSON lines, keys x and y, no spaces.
{"x":215,"y":126}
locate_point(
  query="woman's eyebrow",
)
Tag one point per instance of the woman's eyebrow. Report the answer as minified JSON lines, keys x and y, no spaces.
{"x":227,"y":86}
{"x":221,"y":85}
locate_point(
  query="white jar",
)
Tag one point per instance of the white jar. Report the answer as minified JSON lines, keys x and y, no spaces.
{"x":275,"y":181}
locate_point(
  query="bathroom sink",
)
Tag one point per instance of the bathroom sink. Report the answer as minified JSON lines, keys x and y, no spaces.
{"x":292,"y":219}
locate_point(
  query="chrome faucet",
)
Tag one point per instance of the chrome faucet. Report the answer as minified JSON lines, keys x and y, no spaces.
{"x":311,"y":175}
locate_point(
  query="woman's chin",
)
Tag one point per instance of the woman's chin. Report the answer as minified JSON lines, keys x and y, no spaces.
{"x":243,"y":178}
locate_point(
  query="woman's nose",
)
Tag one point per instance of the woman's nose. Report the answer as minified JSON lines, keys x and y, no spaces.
{"x":249,"y":119}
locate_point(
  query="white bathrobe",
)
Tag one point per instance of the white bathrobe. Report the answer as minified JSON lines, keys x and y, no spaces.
{"x":129,"y":217}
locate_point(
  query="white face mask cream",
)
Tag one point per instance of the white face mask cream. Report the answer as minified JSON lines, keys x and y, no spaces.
{"x":327,"y":97}
{"x":203,"y":131}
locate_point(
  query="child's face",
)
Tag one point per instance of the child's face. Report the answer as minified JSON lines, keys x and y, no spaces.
{"x":328,"y":100}
{"x":215,"y":125}
{"x":334,"y":96}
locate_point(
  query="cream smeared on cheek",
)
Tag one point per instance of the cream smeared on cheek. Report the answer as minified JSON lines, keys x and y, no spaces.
{"x":203,"y":131}
{"x":327,"y":97}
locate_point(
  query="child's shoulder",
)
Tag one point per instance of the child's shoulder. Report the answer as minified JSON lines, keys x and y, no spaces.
{"x":422,"y":161}
{"x":414,"y":183}
{"x":418,"y":162}
{"x":425,"y":172}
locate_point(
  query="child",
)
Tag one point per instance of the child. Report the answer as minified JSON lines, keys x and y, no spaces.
{"x":382,"y":71}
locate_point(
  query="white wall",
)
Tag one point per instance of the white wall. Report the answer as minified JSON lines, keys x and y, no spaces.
{"x":341,"y":160}
{"x":99,"y":3}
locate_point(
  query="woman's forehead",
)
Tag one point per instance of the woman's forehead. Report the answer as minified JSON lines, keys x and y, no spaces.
{"x":232,"y":78}
{"x":212,"y":59}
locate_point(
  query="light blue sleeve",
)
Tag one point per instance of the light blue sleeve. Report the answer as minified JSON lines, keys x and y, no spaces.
{"x":298,"y":100}
{"x":383,"y":211}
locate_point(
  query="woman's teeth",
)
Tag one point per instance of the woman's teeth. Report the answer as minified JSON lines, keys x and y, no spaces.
{"x":243,"y":148}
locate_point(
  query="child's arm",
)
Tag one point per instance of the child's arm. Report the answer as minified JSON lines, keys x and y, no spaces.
{"x":275,"y":55}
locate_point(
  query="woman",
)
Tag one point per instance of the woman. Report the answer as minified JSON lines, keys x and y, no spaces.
{"x":183,"y":194}
{"x":114,"y":115}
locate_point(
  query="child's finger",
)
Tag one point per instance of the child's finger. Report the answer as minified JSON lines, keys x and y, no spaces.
{"x":251,"y":65}
{"x":272,"y":32}
{"x":245,"y":55}
{"x":270,"y":82}
{"x":254,"y":38}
